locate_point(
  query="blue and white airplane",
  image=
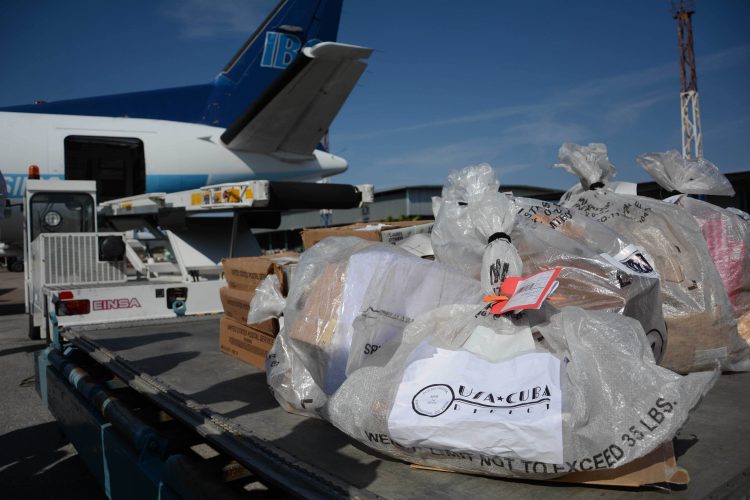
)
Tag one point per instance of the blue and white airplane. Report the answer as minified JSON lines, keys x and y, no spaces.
{"x":263,"y":117}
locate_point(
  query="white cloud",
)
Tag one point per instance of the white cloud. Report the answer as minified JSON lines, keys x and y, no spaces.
{"x":628,"y":112}
{"x":453,"y":155}
{"x":581,"y":96}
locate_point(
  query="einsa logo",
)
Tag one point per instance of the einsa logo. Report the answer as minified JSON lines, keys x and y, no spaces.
{"x":436,"y":399}
{"x":107,"y":304}
{"x":281,"y":49}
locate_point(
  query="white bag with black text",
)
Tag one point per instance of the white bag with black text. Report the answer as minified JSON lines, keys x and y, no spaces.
{"x":548,"y":396}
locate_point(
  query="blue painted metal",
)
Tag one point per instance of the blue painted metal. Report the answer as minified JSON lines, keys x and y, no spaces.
{"x":120,"y":471}
{"x":292,"y":25}
{"x":125,"y":465}
{"x":105,"y":464}
{"x":41,"y":381}
{"x":54,"y":326}
{"x":179,"y":307}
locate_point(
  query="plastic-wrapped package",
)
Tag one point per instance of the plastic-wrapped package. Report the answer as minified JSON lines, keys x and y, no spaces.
{"x":554,"y":402}
{"x":728,"y":240}
{"x":336,"y":282}
{"x":726,"y":233}
{"x":599,"y":270}
{"x":697,"y":311}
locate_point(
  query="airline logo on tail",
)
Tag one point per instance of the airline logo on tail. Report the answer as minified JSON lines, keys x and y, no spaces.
{"x":280,"y":49}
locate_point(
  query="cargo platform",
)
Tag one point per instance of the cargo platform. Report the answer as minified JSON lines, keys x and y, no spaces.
{"x":178,"y":366}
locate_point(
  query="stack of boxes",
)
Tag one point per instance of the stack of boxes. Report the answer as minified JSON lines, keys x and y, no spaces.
{"x":237,"y":338}
{"x":387,"y":232}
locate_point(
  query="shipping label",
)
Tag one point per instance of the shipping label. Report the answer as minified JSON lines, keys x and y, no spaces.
{"x":632,"y":260}
{"x":459,"y":401}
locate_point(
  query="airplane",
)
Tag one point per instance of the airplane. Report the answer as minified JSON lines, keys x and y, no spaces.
{"x":264,"y":116}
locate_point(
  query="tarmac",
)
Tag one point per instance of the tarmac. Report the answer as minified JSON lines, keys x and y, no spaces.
{"x":36,"y":460}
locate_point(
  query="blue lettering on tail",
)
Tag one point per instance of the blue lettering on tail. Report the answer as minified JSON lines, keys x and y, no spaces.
{"x":279,"y":50}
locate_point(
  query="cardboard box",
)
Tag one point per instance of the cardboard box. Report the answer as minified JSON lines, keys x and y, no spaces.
{"x":387,"y":232}
{"x":236,"y":305}
{"x":246,"y":273}
{"x":658,"y":467}
{"x":244,"y":342}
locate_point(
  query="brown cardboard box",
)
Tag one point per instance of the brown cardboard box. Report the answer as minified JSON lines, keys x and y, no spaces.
{"x":658,"y":467}
{"x":393,"y":232}
{"x":246,"y":273}
{"x":236,"y":305}
{"x":244,"y":342}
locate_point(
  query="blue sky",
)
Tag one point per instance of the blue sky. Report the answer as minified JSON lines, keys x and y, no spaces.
{"x":449,"y":83}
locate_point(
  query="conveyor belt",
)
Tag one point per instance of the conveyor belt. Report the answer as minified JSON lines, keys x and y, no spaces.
{"x":178,"y":365}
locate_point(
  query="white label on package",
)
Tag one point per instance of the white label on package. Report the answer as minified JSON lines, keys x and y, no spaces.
{"x":632,"y":259}
{"x":393,"y":236}
{"x":531,"y":292}
{"x":458,"y":401}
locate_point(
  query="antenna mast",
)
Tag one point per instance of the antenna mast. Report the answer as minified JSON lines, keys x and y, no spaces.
{"x":692,"y":139}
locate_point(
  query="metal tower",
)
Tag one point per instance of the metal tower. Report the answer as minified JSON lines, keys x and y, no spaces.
{"x":692,"y":139}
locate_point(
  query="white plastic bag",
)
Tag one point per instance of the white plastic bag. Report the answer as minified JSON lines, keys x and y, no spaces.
{"x":341,"y":279}
{"x":675,"y":173}
{"x":594,"y":258}
{"x":590,"y":163}
{"x":561,"y":408}
{"x":697,"y":311}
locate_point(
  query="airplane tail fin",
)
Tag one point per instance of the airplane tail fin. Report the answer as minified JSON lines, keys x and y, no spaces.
{"x":291,"y":26}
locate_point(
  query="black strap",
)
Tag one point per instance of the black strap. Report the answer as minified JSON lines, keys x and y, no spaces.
{"x":497,"y":236}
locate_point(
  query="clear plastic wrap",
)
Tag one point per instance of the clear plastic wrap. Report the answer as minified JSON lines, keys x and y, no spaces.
{"x":594,"y":258}
{"x":473,"y":225}
{"x":267,"y":302}
{"x":590,"y":163}
{"x":697,"y":311}
{"x":600,"y":270}
{"x":728,"y":238}
{"x":554,"y":404}
{"x":336,"y":282}
{"x":675,"y":173}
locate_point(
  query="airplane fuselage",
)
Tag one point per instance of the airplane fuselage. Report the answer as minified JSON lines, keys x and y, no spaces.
{"x":177,"y":156}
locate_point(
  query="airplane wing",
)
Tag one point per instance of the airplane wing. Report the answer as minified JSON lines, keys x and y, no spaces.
{"x":295,"y":112}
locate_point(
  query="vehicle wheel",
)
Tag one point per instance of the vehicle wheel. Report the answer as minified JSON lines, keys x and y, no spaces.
{"x":34,"y":331}
{"x":15,"y":266}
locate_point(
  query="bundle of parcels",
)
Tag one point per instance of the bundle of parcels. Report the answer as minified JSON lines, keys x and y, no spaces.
{"x":349,"y":303}
{"x":699,"y":317}
{"x":599,"y":269}
{"x":240,"y":335}
{"x":726,"y":232}
{"x":480,"y":376}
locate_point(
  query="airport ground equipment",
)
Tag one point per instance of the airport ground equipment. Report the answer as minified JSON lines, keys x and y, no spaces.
{"x":124,"y":259}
